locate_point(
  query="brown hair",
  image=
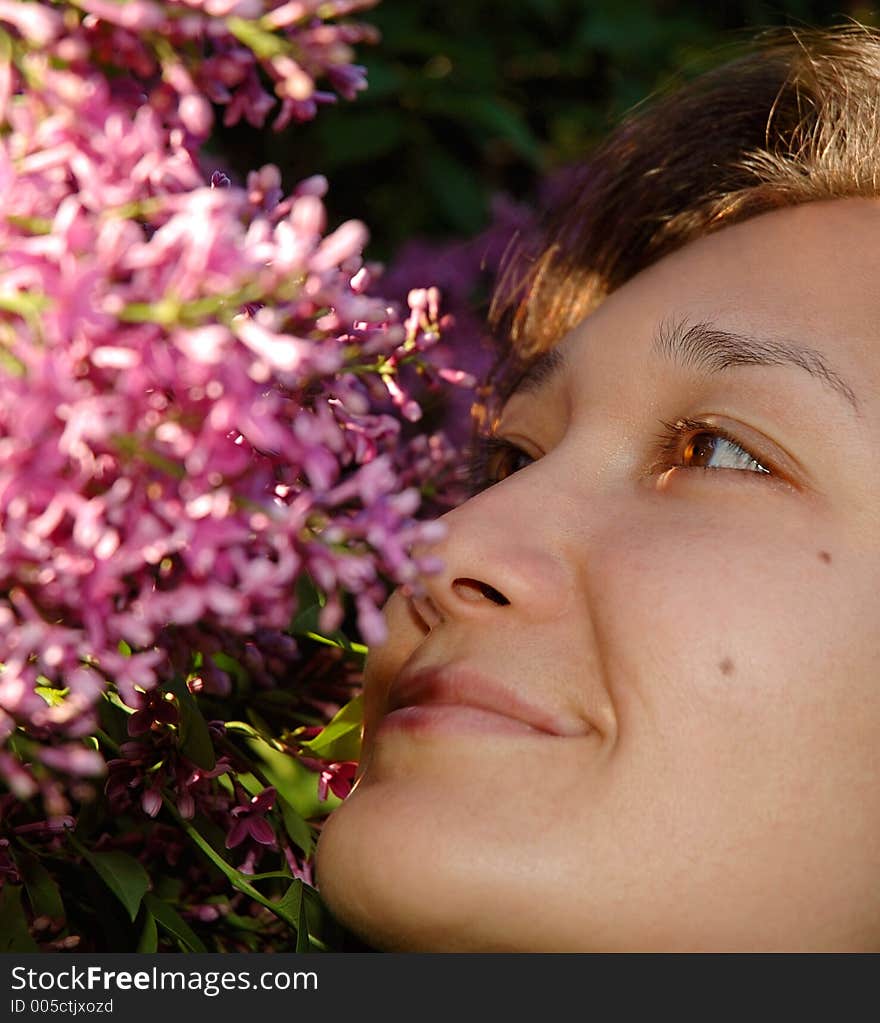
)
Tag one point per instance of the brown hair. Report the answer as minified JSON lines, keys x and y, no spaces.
{"x":796,"y":119}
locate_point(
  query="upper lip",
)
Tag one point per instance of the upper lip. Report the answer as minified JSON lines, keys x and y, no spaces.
{"x":463,"y":685}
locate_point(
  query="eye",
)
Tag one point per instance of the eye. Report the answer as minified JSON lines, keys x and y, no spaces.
{"x":493,"y":460}
{"x":694,"y":444}
{"x":684,"y":444}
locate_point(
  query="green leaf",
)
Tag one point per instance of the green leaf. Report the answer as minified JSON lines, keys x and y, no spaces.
{"x":149,"y":939}
{"x":231,"y":666}
{"x":297,"y":829}
{"x":261,"y":727}
{"x":250,"y":783}
{"x":457,"y":191}
{"x":294,"y":904}
{"x":509,"y":124}
{"x":195,"y":738}
{"x":309,"y":601}
{"x":340,"y":739}
{"x":490,"y":118}
{"x":306,"y":620}
{"x":305,"y":904}
{"x":42,"y":892}
{"x":308,"y":592}
{"x":241,"y":728}
{"x":244,"y":923}
{"x":372,"y":135}
{"x":51,"y":695}
{"x":14,"y":933}
{"x":295,"y":784}
{"x":167,"y":888}
{"x":170,"y":920}
{"x":113,"y":716}
{"x":302,"y":930}
{"x":122,"y":874}
{"x":214,"y":835}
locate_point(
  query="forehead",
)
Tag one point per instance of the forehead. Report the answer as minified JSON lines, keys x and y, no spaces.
{"x":808,"y":273}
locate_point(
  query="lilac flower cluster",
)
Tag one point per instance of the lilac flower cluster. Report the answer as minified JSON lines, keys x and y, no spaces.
{"x":200,"y":408}
{"x":464,"y":271}
{"x":182,"y":56}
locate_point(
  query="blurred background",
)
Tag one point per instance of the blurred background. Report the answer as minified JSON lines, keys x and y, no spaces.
{"x":473,"y":99}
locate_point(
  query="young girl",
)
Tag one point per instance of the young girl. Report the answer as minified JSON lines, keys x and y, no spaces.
{"x":639,"y":707}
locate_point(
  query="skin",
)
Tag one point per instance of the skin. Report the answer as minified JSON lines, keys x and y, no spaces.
{"x":715,"y":631}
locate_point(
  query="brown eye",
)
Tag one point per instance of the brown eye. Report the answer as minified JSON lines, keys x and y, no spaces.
{"x":697,"y":445}
{"x":493,"y":460}
{"x":699,"y":449}
{"x":506,"y":461}
{"x":711,"y":450}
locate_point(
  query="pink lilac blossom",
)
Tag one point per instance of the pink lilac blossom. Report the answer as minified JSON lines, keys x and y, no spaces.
{"x":153,"y":763}
{"x":250,"y":821}
{"x":338,"y":778}
{"x":464,"y":271}
{"x":185,"y":55}
{"x":205,"y":401}
{"x":189,"y":369}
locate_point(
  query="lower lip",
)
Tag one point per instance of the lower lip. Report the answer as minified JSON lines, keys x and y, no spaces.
{"x":452,"y":719}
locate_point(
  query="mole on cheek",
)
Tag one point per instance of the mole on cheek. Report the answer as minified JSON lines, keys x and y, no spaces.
{"x":726,"y":666}
{"x":825,"y":556}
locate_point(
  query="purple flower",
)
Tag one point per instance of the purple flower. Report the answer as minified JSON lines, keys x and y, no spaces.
{"x":250,"y":821}
{"x":36,"y":24}
{"x":151,"y":798}
{"x":17,"y":777}
{"x":154,"y":708}
{"x":8,"y":869}
{"x":203,"y":403}
{"x":51,"y":826}
{"x":74,"y":759}
{"x":338,"y":778}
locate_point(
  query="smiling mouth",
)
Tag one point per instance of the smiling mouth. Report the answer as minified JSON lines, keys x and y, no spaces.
{"x":459,"y":699}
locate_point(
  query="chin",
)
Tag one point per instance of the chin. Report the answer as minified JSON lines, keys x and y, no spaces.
{"x":366,"y":884}
{"x":390,"y":884}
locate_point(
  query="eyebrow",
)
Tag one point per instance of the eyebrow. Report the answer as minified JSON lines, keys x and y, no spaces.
{"x":539,"y":372}
{"x":706,"y":347}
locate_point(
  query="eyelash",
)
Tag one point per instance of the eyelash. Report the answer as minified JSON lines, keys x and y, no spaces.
{"x":482,"y":465}
{"x":491,"y":454}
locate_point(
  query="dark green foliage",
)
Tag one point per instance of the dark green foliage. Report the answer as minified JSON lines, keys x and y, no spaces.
{"x":471,"y":98}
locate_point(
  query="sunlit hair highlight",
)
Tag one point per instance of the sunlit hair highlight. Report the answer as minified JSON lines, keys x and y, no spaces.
{"x":794,"y":119}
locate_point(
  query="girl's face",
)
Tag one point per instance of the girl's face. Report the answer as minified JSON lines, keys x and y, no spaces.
{"x":639,"y":709}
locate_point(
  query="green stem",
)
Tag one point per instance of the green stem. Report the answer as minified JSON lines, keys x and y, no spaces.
{"x":106,"y":740}
{"x":254,"y":769}
{"x":235,"y":877}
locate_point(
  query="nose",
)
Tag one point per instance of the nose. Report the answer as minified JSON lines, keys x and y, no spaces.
{"x":504,"y":559}
{"x":503,"y":555}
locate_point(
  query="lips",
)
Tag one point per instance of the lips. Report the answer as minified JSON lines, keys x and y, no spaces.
{"x":459,"y":697}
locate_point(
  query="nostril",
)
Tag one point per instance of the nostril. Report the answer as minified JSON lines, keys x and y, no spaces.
{"x":426,"y":611}
{"x":473,"y":589}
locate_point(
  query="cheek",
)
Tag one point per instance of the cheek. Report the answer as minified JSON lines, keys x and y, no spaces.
{"x":732,"y":638}
{"x":745,"y":681}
